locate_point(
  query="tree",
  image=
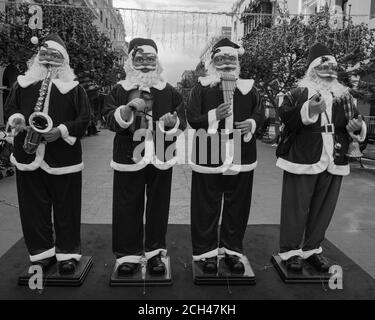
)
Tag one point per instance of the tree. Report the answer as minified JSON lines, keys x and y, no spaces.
{"x":89,"y":49}
{"x":276,"y":57}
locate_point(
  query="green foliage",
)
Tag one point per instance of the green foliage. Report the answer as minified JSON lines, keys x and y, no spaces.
{"x":89,"y":49}
{"x":276,"y":57}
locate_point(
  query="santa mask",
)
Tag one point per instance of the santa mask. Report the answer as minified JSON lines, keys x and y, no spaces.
{"x":325,"y":67}
{"x":144,"y":61}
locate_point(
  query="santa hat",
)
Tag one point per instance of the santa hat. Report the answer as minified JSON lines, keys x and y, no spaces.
{"x":147,"y":45}
{"x":55,"y":42}
{"x":226,"y":46}
{"x":317,"y":51}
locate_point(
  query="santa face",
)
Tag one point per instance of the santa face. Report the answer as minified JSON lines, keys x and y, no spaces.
{"x":144,"y":62}
{"x":225,"y":62}
{"x":325,"y":67}
{"x":50,"y":56}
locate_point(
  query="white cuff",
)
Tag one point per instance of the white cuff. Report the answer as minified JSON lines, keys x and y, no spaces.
{"x":207,"y":255}
{"x":213,"y":123}
{"x":230,"y":252}
{"x":122,"y":123}
{"x":170,"y":131}
{"x":14,"y":117}
{"x":308,"y":254}
{"x":65,"y":135}
{"x":306,"y":119}
{"x":287,"y":255}
{"x":154,"y":253}
{"x":128,"y":259}
{"x":44,"y":255}
{"x":249,"y":135}
{"x":362,"y":136}
{"x":68,"y":256}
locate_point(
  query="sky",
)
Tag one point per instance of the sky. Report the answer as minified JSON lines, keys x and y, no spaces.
{"x":181,"y":38}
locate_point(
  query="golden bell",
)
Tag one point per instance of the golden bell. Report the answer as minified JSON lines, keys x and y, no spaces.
{"x":354,"y":151}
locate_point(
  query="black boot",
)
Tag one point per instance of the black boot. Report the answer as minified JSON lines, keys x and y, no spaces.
{"x":45,"y":264}
{"x":156,"y":266}
{"x":68,"y":267}
{"x":210,"y":265}
{"x":294,"y":264}
{"x":234,"y":264}
{"x":319,"y":262}
{"x":127,"y":269}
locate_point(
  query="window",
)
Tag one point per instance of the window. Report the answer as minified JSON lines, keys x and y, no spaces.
{"x":101,"y":16}
{"x":372,"y":10}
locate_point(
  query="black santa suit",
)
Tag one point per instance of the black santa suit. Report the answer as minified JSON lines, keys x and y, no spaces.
{"x":210,"y":181}
{"x":313,"y":170}
{"x":152,"y":174}
{"x":51,"y":178}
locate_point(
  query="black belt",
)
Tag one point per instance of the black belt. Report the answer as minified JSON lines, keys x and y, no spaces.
{"x":328,"y":128}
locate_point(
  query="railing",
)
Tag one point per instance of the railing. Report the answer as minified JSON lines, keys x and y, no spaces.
{"x":370,"y":121}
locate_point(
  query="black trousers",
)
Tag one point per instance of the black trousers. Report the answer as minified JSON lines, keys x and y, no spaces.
{"x":40,"y":194}
{"x":307,"y":206}
{"x":129,"y":190}
{"x":207,"y":193}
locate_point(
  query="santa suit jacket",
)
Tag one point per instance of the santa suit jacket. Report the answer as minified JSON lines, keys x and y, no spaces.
{"x":201,"y":115}
{"x":165,"y":99}
{"x":68,"y":106}
{"x":312,"y":151}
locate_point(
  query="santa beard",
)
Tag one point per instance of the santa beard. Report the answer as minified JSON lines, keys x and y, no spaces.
{"x":215,"y":74}
{"x":37,"y":71}
{"x":143,"y":79}
{"x":313,"y":81}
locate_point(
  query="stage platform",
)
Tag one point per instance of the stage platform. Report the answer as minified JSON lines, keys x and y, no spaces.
{"x":261,"y":241}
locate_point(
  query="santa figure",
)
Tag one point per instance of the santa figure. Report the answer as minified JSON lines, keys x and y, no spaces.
{"x":48,"y":113}
{"x":320,"y":118}
{"x":223,"y":166}
{"x":141,"y":109}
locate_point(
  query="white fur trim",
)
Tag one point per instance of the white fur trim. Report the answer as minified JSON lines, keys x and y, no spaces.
{"x":306,"y":119}
{"x":170,"y":131}
{"x":66,"y":257}
{"x":122,"y":123}
{"x":44,"y":255}
{"x":63,"y":86}
{"x":243,"y":167}
{"x":14,"y":117}
{"x":210,"y":254}
{"x":248,"y":136}
{"x":59,"y":48}
{"x":62,"y":170}
{"x":318,"y":60}
{"x":154,"y":253}
{"x":65,"y":135}
{"x":362,"y":136}
{"x":39,"y":156}
{"x":230,"y":252}
{"x":164,"y":165}
{"x":293,"y":253}
{"x":128,"y":259}
{"x":245,"y":85}
{"x":213,"y":123}
{"x":146,"y":49}
{"x":128,"y":167}
{"x":309,"y":253}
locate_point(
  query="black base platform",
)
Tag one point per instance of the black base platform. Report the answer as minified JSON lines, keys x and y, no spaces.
{"x":224,"y":276}
{"x":308,"y":274}
{"x":143,"y":278}
{"x":54,"y":279}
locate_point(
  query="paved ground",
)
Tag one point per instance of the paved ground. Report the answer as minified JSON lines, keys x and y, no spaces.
{"x":352,"y":228}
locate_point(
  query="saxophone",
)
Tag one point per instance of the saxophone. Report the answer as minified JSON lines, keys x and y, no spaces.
{"x":39,"y":121}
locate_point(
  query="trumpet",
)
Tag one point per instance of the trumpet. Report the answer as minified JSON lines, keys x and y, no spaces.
{"x":39,"y":121}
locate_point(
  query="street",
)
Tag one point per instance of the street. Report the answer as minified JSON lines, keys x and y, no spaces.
{"x":352,"y":229}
